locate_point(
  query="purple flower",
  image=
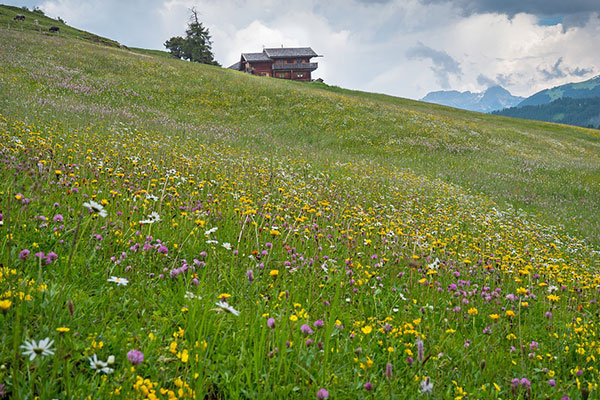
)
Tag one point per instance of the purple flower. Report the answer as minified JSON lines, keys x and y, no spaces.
{"x":309,"y":342}
{"x":58,"y":218}
{"x":40,"y":254}
{"x":24,"y":254}
{"x":135,"y":356}
{"x":552,"y":382}
{"x":548,"y":314}
{"x":271,"y":322}
{"x":306,"y":329}
{"x":322,"y":394}
{"x":250,"y":275}
{"x":319,"y":323}
{"x":369,"y":386}
{"x":409,"y":360}
{"x":525,"y":382}
{"x":388,"y":371}
{"x":420,"y":350}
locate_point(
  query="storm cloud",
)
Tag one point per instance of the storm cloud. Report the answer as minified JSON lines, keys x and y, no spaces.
{"x":513,"y":7}
{"x":443,"y":64}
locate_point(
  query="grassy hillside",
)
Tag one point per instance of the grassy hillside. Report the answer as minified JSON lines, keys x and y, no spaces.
{"x":259,"y":238}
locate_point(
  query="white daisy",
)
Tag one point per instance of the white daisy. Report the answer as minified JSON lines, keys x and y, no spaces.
{"x":190,"y":295}
{"x":227,"y":246}
{"x":151,"y":197}
{"x":152,"y":218}
{"x":226,"y":307}
{"x":118,"y":281}
{"x":101,"y":366}
{"x":41,"y":348}
{"x":211,"y":230}
{"x":96,"y":207}
{"x":212,"y":242}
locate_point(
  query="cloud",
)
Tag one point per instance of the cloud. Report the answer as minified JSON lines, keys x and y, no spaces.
{"x":513,"y":7}
{"x":443,"y":65}
{"x":557,"y":71}
{"x":485,"y":81}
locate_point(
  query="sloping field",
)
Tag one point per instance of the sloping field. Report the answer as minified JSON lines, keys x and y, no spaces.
{"x":183,"y":231}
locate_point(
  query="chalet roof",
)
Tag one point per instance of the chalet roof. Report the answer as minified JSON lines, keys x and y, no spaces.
{"x":284,"y":52}
{"x":235,"y":66}
{"x":256,"y":57}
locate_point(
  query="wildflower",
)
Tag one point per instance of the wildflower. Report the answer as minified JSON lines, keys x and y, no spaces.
{"x":271,"y":323}
{"x":190,"y":295}
{"x":510,"y":313}
{"x":63,"y":329}
{"x":5,"y":305}
{"x":274,"y":272}
{"x":420,"y":350}
{"x":118,"y":281}
{"x":553,"y":297}
{"x":388,"y":371}
{"x":152,"y":218}
{"x":226,"y":246}
{"x":322,"y":394}
{"x":41,"y":348}
{"x":211,"y":230}
{"x":96,"y":208}
{"x":366,"y":329}
{"x":473,"y":311}
{"x":101,"y":366}
{"x":24,"y":254}
{"x":369,"y":386}
{"x":426,"y":386}
{"x":548,"y":314}
{"x":226,"y":307}
{"x":135,"y":356}
{"x":552,"y":382}
{"x":318,"y":323}
{"x":494,"y":317}
{"x":306,"y":329}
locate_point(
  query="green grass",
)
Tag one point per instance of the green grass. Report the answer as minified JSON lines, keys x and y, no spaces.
{"x":388,"y":220}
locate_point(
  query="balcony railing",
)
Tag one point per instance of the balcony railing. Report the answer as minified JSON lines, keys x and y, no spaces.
{"x":295,"y":67}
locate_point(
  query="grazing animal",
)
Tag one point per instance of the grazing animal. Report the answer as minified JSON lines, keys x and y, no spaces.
{"x":54,"y":29}
{"x":19,"y":17}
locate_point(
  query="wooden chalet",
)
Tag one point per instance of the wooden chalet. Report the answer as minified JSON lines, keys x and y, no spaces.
{"x":285,"y":63}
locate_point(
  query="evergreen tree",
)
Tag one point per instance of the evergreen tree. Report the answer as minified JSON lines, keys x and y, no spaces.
{"x":196,"y":46}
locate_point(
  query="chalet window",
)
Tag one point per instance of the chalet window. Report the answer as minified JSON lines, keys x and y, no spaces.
{"x":300,"y":75}
{"x":281,"y":75}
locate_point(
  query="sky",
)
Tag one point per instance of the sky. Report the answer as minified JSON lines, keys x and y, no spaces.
{"x":405,"y":48}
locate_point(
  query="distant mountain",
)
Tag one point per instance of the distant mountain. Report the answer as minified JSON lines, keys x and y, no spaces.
{"x":494,"y":98}
{"x":579,"y":90}
{"x":579,"y":111}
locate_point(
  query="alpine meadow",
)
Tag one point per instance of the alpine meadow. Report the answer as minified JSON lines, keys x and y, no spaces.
{"x":175,"y":230}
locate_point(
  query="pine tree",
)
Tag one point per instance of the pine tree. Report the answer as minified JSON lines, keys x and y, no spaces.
{"x":197,"y":44}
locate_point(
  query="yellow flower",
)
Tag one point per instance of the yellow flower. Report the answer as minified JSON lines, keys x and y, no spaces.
{"x":522,"y":290}
{"x":293,"y":318}
{"x":510,"y":313}
{"x":366,"y":329}
{"x":274,"y":272}
{"x":494,"y":317}
{"x":63,"y":329}
{"x":473,"y":311}
{"x":553,"y":297}
{"x":224,"y":296}
{"x":5,"y":304}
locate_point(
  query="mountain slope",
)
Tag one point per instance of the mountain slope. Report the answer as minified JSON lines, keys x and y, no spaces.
{"x":580,"y":90}
{"x":580,"y":111}
{"x":176,"y":230}
{"x":492,"y":99}
{"x":314,"y":119}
